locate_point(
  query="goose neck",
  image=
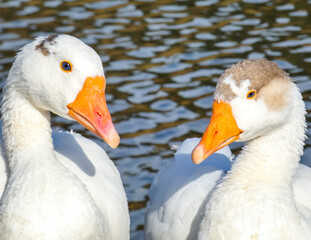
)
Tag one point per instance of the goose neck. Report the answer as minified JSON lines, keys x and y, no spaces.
{"x":25,"y":128}
{"x":274,"y":157}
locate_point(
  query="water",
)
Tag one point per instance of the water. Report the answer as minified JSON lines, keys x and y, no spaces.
{"x":162,"y":61}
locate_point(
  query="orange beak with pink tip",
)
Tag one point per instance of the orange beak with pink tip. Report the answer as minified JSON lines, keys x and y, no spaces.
{"x":221,"y":131}
{"x":90,"y":110}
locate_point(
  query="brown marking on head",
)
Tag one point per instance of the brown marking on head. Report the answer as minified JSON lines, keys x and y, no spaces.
{"x":223,"y":91}
{"x":51,"y":39}
{"x":42,"y":46}
{"x":267,"y":78}
{"x":275,"y":93}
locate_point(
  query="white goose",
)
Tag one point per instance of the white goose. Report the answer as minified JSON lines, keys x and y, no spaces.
{"x":266,"y":194}
{"x":69,"y":189}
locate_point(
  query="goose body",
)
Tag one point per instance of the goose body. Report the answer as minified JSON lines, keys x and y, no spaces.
{"x":265,"y":194}
{"x":179,"y":191}
{"x":65,"y":186}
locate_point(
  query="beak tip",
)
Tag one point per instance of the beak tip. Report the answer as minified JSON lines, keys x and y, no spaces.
{"x":115,"y":144}
{"x":114,"y":140}
{"x":198,"y":154}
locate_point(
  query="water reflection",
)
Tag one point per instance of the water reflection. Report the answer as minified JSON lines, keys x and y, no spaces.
{"x":162,"y":61}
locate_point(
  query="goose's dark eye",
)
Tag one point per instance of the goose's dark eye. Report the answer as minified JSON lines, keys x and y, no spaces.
{"x":66,"y":66}
{"x":251,"y":94}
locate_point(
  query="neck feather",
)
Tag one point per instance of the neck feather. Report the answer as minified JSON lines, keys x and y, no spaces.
{"x":40,"y":191}
{"x":25,"y":127}
{"x":257,"y":192}
{"x":274,"y":157}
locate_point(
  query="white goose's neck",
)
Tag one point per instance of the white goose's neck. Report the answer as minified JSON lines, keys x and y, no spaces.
{"x":273,"y":158}
{"x":42,"y":198}
{"x":26,"y":130}
{"x":256,"y":194}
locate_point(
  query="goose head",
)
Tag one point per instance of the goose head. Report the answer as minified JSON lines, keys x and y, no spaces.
{"x":252,"y":98}
{"x":61,"y":74}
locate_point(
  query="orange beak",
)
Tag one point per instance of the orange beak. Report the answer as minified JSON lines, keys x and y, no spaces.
{"x":221,"y":131}
{"x":90,"y":110}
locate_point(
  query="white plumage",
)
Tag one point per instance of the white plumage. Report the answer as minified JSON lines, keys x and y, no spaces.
{"x":64,"y":187}
{"x":179,"y":191}
{"x":265,"y":194}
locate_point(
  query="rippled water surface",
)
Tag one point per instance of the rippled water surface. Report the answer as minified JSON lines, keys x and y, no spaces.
{"x":162,"y":61}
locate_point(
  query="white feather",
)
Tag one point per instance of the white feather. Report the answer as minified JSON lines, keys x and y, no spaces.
{"x":60,"y":188}
{"x":265,"y":194}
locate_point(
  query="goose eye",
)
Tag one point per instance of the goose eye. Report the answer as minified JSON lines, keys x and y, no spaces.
{"x":66,"y":66}
{"x":251,"y":94}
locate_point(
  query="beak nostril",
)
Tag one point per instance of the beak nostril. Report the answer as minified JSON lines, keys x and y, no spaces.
{"x":98,"y":115}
